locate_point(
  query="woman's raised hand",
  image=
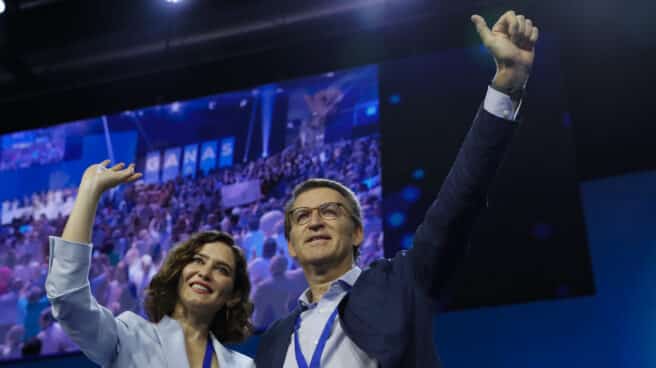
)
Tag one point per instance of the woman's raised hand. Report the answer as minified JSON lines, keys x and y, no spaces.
{"x":98,"y":178}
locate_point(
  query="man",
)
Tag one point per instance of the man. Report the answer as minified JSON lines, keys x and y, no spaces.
{"x":53,"y":338}
{"x":382,"y":317}
{"x":270,"y":297}
{"x":258,"y":268}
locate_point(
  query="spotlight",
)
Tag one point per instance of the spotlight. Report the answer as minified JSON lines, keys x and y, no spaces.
{"x":2,"y":6}
{"x":169,"y":1}
{"x":175,"y":107}
{"x":396,"y":219}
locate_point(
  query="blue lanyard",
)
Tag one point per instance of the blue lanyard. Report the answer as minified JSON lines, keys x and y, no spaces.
{"x":209,"y":351}
{"x":316,"y":356}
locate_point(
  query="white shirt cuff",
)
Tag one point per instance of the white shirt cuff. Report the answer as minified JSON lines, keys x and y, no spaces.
{"x":68,"y":267}
{"x":500,"y":105}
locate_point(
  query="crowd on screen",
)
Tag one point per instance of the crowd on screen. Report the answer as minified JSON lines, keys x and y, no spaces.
{"x":136,"y":226}
{"x":40,"y":151}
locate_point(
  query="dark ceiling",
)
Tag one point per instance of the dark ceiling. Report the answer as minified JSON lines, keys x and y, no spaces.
{"x":51,"y":45}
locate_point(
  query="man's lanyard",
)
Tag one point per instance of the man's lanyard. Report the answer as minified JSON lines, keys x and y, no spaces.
{"x":318,"y":351}
{"x":209,"y":351}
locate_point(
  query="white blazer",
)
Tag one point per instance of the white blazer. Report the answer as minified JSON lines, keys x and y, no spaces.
{"x":124,"y":341}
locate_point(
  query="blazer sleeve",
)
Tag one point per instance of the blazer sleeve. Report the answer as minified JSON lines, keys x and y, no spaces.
{"x":440,"y":242}
{"x":91,"y":326}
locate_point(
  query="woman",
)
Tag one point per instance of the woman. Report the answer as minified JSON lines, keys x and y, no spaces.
{"x":196,"y":301}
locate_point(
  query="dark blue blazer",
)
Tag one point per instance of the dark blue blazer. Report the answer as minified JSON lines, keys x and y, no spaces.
{"x":389,"y":311}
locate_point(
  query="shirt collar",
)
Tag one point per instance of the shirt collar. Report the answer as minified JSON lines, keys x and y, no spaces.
{"x":346,"y":281}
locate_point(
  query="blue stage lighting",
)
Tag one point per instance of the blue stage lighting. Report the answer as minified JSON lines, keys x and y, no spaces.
{"x":411,"y":194}
{"x":418,"y":174}
{"x":406,"y":243}
{"x":395,"y":99}
{"x":396,"y":219}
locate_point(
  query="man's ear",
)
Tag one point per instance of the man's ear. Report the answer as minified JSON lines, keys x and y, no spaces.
{"x":358,"y":236}
{"x":291,"y":250}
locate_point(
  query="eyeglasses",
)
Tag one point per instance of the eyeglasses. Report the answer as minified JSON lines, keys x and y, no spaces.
{"x":327,"y":211}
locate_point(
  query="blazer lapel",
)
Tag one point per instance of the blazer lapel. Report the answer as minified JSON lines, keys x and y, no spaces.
{"x":286,"y":330}
{"x":173,"y":343}
{"x":223,"y":355}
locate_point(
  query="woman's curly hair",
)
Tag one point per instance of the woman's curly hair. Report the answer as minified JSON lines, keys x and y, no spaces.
{"x":230,"y":324}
